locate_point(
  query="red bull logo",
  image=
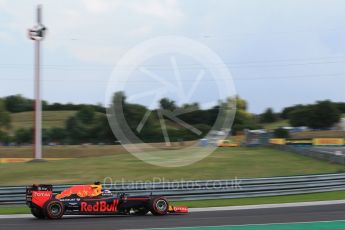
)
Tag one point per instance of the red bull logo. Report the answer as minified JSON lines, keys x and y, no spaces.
{"x":81,"y":191}
{"x":99,"y":206}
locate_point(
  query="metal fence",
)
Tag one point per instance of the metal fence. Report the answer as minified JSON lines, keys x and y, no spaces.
{"x":317,"y":153}
{"x":211,"y":189}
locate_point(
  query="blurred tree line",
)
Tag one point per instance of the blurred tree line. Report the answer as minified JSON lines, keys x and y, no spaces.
{"x":320,"y":115}
{"x":18,"y":103}
{"x":90,"y":123}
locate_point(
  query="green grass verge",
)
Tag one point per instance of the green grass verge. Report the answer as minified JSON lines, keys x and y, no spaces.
{"x":50,"y":119}
{"x":64,"y":151}
{"x":337,"y":195}
{"x":224,"y":163}
{"x":15,"y":209}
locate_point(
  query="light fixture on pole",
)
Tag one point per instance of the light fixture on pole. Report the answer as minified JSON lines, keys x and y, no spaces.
{"x":37,"y":34}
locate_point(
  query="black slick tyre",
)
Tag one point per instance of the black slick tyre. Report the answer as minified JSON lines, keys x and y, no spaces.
{"x":53,"y":209}
{"x":159,"y":206}
{"x":37,"y":212}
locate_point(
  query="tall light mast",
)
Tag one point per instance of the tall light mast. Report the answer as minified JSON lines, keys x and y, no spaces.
{"x":37,"y":34}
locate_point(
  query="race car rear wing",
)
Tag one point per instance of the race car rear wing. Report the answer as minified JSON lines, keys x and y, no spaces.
{"x":37,"y":194}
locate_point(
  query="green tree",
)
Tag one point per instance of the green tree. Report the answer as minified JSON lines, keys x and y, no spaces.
{"x":268,"y":116}
{"x":324,"y":115}
{"x":86,"y":114}
{"x":134,"y":113}
{"x":77,"y":131}
{"x":18,"y":103}
{"x":281,"y":133}
{"x":119,"y":97}
{"x":24,"y":136}
{"x":300,"y":116}
{"x":286,"y":111}
{"x":241,"y":104}
{"x":243,"y":119}
{"x":192,"y":107}
{"x":102,"y":132}
{"x":167,"y":104}
{"x":5,"y":118}
{"x":341,"y":106}
{"x":58,"y":135}
{"x":4,"y":137}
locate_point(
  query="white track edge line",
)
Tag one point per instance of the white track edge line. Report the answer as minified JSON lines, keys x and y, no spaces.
{"x":261,"y":206}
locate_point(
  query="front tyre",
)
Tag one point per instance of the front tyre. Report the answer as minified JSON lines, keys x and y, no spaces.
{"x":159,"y":206}
{"x":53,"y":209}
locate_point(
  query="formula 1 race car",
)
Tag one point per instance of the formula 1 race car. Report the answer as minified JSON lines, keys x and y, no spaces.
{"x":93,"y":200}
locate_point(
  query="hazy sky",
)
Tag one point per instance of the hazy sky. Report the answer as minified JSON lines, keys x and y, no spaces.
{"x":280,"y":53}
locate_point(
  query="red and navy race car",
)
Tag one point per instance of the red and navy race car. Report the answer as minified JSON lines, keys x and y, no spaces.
{"x":93,"y":200}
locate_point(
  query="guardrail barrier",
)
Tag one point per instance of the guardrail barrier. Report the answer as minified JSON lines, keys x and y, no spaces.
{"x":212,"y":189}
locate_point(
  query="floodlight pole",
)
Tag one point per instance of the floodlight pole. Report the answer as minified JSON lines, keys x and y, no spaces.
{"x":38,"y":104}
{"x":37,"y":34}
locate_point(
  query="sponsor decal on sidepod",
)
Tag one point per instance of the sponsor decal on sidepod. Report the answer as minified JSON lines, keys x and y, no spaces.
{"x":99,"y":206}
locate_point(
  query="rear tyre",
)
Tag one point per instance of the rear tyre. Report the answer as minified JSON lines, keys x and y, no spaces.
{"x":53,"y":209}
{"x":37,"y":212}
{"x":159,"y":206}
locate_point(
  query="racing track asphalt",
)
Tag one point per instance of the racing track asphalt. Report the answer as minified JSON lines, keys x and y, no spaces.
{"x":208,"y":218}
